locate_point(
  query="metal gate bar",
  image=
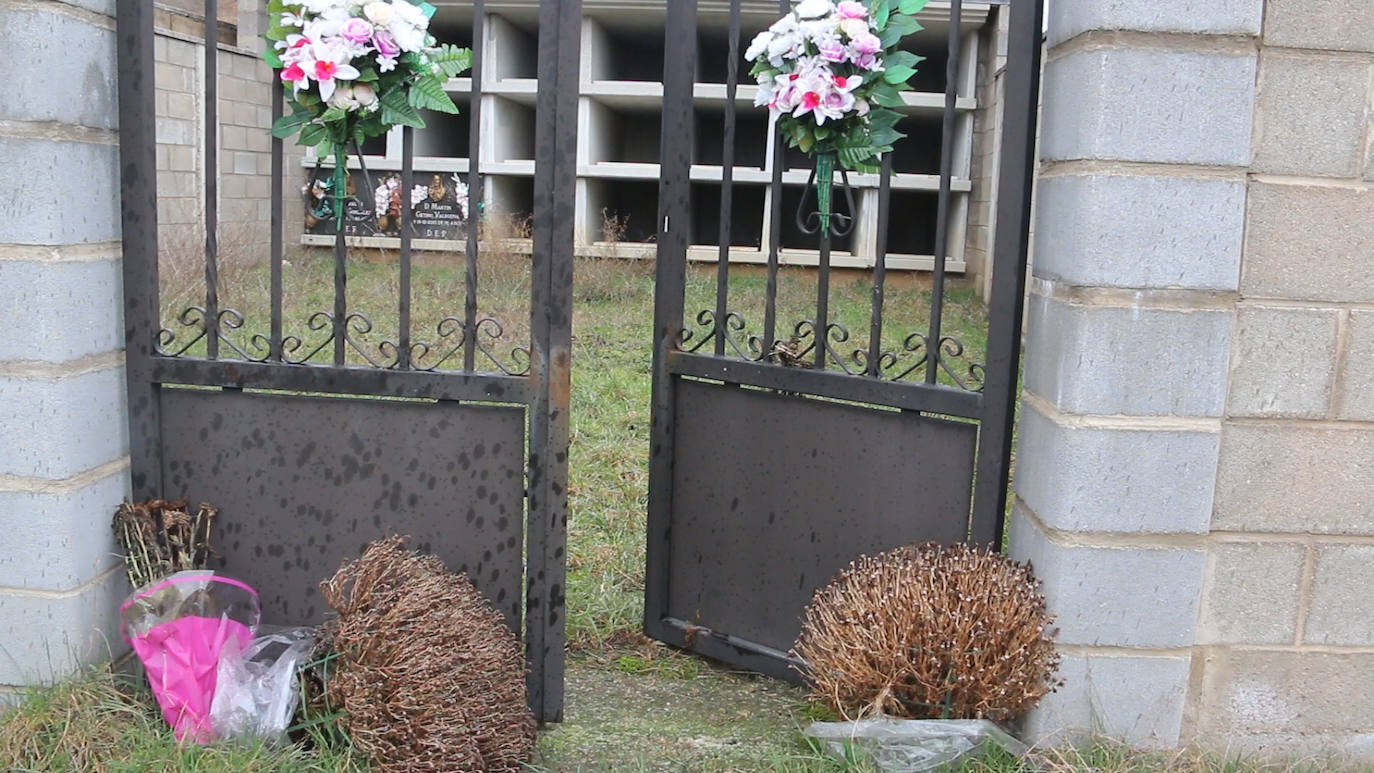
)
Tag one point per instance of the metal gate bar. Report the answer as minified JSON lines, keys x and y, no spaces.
{"x":1010,"y":253}
{"x":407,"y":367}
{"x":924,"y":377}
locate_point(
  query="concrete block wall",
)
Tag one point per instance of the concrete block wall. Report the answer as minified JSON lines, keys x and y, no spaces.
{"x":64,"y":463}
{"x":986,"y":148}
{"x":244,"y":157}
{"x":1196,"y":460}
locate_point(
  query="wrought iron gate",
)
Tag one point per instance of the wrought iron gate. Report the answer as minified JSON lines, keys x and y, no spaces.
{"x":776,"y":458}
{"x":312,"y":449}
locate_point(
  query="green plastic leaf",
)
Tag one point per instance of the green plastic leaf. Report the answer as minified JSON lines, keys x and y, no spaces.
{"x":907,"y":24}
{"x":397,"y":110}
{"x":312,"y":134}
{"x":427,"y":93}
{"x":898,"y":27}
{"x":333,"y":114}
{"x":887,"y":95}
{"x":899,"y":74}
{"x":902,"y":59}
{"x":287,"y":125}
{"x":427,"y":9}
{"x":911,"y":7}
{"x":881,"y":11}
{"x":452,"y":60}
{"x":270,"y":56}
{"x":882,"y":118}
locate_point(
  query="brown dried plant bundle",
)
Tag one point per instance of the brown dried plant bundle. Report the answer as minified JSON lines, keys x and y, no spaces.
{"x":930,"y":632}
{"x":427,"y":674}
{"x":160,"y":537}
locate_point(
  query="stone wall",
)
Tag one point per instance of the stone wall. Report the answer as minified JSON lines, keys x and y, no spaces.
{"x":64,"y":463}
{"x":1196,"y":462}
{"x":245,"y":117}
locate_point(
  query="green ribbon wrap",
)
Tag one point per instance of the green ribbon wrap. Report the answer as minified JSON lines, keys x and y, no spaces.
{"x":340,"y":184}
{"x":825,"y":187}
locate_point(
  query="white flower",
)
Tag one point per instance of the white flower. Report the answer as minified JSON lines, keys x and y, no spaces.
{"x":379,"y":13}
{"x":785,"y":46}
{"x":364,"y":94}
{"x":758,"y":46}
{"x":386,"y":63}
{"x":853,"y":28}
{"x":409,"y":25}
{"x":344,"y":99}
{"x":417,"y":195}
{"x":820,"y":31}
{"x":813,"y":9}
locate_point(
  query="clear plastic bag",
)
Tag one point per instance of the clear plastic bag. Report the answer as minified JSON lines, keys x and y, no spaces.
{"x":256,"y":691}
{"x":179,"y":627}
{"x":913,"y":745}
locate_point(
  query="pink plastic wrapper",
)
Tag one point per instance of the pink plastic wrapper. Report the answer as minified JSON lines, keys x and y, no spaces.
{"x":179,"y":627}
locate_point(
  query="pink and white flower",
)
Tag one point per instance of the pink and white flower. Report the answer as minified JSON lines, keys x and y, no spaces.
{"x":356,"y":30}
{"x":850,"y":9}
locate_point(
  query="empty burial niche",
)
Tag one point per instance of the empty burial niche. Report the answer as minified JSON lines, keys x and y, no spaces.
{"x":512,"y":48}
{"x":628,"y":48}
{"x":746,"y":215}
{"x":510,"y":127}
{"x":919,"y":152}
{"x":622,"y":211}
{"x":510,"y":200}
{"x":446,"y":135}
{"x":751,"y":136}
{"x":931,"y":71}
{"x":911,"y":223}
{"x":453,"y":27}
{"x":374,"y":146}
{"x":623,"y":131}
{"x":713,"y":53}
{"x":793,"y":238}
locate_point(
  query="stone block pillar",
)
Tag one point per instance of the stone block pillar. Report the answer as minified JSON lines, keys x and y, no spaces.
{"x":1195,"y":477}
{"x":64,"y":459}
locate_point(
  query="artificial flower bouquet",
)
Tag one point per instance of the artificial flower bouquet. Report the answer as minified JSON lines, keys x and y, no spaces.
{"x":831,"y":74}
{"x":352,"y":70}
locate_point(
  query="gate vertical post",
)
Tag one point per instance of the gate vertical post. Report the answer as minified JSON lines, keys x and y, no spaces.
{"x":138,"y":214}
{"x":1007,"y":303}
{"x":551,"y":358}
{"x":675,"y":164}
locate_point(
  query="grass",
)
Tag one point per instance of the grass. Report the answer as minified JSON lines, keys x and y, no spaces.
{"x":103,"y":722}
{"x":632,"y":705}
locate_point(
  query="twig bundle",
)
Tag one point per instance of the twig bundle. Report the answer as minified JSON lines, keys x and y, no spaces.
{"x":428,"y":675}
{"x":160,"y":538}
{"x":930,"y":632}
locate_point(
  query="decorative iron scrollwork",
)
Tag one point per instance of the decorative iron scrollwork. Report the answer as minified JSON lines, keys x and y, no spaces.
{"x":452,"y":340}
{"x":195,"y":318}
{"x":167,"y":344}
{"x":798,"y":351}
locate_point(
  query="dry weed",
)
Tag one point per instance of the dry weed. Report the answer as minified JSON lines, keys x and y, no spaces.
{"x":428,"y":675}
{"x":930,"y":632}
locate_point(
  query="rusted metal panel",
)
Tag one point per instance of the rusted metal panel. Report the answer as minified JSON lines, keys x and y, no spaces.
{"x":304,"y":483}
{"x":773,"y":494}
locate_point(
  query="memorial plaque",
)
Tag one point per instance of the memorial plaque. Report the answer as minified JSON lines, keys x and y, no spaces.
{"x":373,"y":206}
